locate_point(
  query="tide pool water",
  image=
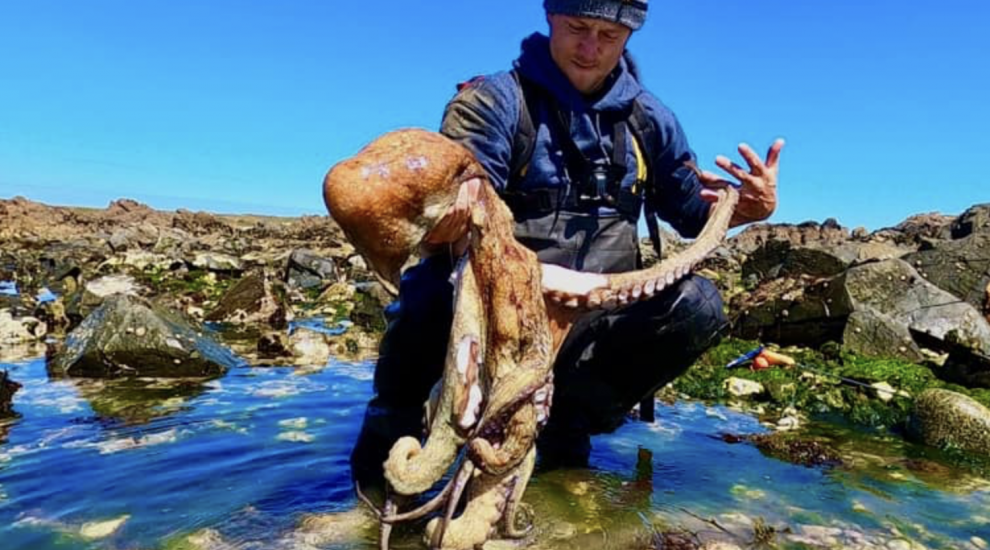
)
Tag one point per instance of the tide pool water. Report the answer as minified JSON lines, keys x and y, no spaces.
{"x":144,"y":464}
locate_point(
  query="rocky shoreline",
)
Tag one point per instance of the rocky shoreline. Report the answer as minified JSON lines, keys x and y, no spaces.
{"x":195,"y":294}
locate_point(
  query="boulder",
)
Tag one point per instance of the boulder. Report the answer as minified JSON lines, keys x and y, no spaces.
{"x":778,"y":258}
{"x":976,"y":219}
{"x":961,"y":266}
{"x":826,"y":234}
{"x":7,"y":390}
{"x":306,"y":269}
{"x":916,"y":229}
{"x":128,"y":336}
{"x":782,"y":259}
{"x":949,"y":420}
{"x":965,"y":363}
{"x":92,"y":294}
{"x":250,"y":300}
{"x":877,"y":308}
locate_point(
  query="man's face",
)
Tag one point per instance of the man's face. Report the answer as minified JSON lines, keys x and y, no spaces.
{"x":586,"y":49}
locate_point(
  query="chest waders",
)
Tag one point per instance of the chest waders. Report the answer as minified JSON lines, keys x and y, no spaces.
{"x":553,"y":223}
{"x":565,"y":226}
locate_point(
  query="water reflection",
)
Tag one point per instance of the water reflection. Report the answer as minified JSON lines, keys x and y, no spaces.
{"x":136,"y":401}
{"x":257,"y":459}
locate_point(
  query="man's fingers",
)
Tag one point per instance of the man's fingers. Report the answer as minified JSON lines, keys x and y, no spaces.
{"x":773,"y":155}
{"x":756,"y":165}
{"x":737,"y":171}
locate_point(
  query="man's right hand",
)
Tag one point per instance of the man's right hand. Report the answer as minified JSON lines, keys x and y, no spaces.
{"x":451,"y":232}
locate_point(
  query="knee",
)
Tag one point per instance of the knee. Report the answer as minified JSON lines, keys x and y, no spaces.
{"x":700,"y":304}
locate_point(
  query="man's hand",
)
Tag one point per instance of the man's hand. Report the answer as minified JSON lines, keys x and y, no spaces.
{"x":452,"y":229}
{"x":758,"y":193}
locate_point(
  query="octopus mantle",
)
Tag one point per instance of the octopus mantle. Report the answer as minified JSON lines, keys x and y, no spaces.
{"x":511,"y":315}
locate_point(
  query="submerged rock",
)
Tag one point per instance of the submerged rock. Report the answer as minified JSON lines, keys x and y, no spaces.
{"x":946,"y":419}
{"x":7,"y":390}
{"x":128,"y":336}
{"x":102,"y":529}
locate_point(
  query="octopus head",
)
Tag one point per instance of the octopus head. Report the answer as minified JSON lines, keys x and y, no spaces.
{"x":389,"y":195}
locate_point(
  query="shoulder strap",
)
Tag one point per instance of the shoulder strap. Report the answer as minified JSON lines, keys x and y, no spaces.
{"x":525,"y":139}
{"x":645,"y":131}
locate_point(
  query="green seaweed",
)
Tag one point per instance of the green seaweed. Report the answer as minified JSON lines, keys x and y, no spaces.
{"x":826,"y":381}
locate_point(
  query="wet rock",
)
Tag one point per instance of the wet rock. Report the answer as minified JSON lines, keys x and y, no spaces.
{"x":81,"y":303}
{"x":946,"y":419}
{"x":306,"y":269}
{"x":7,"y":390}
{"x":250,"y":300}
{"x":273,"y":345}
{"x":796,"y":450}
{"x":128,"y":336}
{"x":347,"y":526}
{"x":12,"y":330}
{"x":102,"y":529}
{"x":53,"y":314}
{"x":309,"y":347}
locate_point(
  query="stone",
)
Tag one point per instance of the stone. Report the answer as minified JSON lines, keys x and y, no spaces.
{"x":106,"y":344}
{"x":947,"y":419}
{"x":102,"y":529}
{"x":960,"y":267}
{"x":273,"y":345}
{"x":216,"y":262}
{"x":965,"y":364}
{"x":740,"y":387}
{"x":976,"y":219}
{"x":250,"y":300}
{"x":19,"y":330}
{"x":782,"y":258}
{"x":310,"y":348}
{"x":881,"y":309}
{"x":7,"y":390}
{"x":306,"y":269}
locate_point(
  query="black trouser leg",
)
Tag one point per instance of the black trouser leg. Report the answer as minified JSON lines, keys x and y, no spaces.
{"x":611,"y":360}
{"x":411,"y":358}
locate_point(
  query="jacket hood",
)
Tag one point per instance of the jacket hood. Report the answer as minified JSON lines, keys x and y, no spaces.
{"x":535,"y":63}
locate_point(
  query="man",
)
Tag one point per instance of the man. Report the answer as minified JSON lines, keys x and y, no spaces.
{"x":578,"y":149}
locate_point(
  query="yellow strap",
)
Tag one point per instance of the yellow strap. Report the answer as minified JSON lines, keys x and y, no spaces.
{"x":640,"y":164}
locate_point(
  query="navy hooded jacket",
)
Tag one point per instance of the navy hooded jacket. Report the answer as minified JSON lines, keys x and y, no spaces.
{"x":484,"y":117}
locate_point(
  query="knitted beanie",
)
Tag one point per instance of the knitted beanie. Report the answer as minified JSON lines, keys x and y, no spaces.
{"x":631,"y":13}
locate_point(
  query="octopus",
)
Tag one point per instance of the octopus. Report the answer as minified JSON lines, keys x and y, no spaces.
{"x":511,"y":314}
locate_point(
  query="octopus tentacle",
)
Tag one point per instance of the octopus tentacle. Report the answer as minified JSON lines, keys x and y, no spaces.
{"x":576,"y":290}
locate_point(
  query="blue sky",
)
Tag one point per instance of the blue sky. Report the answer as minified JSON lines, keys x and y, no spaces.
{"x":242,"y":106}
